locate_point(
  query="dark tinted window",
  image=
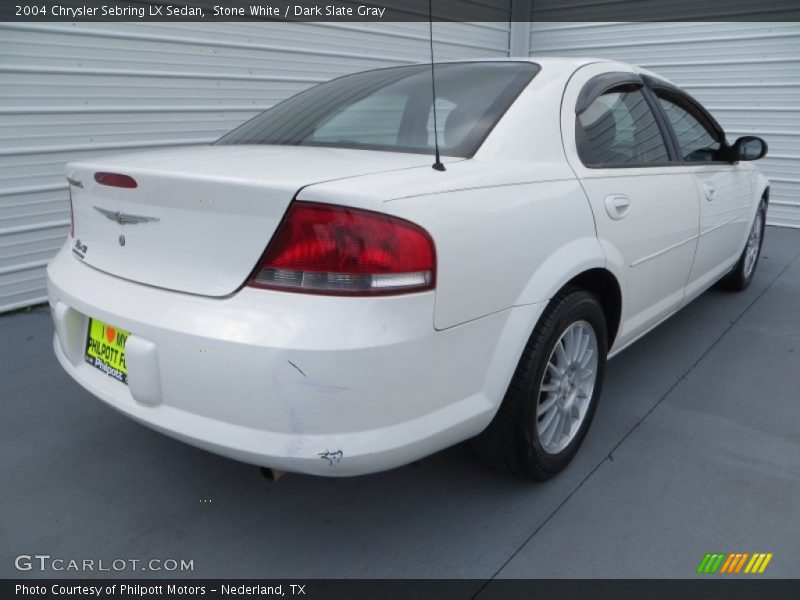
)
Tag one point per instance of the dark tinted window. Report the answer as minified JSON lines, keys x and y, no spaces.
{"x":619,"y":128}
{"x":698,"y":143}
{"x":391,"y":109}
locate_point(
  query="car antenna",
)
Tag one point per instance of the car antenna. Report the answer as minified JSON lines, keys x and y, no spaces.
{"x":438,"y":164}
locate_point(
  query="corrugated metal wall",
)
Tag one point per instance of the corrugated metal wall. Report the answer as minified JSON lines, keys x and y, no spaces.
{"x":75,"y":90}
{"x":746,"y":74}
{"x":70,"y":91}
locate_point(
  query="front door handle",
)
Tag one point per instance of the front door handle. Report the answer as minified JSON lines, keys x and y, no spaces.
{"x":617,"y":206}
{"x":709,"y":190}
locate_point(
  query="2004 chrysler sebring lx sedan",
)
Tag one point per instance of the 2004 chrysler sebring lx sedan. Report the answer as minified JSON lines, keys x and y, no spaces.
{"x":307,"y":294}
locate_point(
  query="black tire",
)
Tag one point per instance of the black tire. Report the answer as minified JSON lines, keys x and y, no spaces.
{"x":511,"y":441}
{"x":739,"y":278}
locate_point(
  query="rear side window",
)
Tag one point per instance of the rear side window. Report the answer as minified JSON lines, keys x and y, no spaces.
{"x":619,"y":129}
{"x":391,"y":109}
{"x":697,"y":142}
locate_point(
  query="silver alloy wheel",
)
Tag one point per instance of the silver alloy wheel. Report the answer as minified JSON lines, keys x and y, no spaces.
{"x":753,"y":244}
{"x":567,"y":387}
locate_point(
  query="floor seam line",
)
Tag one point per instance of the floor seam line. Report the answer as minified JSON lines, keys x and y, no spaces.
{"x":702,"y":356}
{"x":636,"y":425}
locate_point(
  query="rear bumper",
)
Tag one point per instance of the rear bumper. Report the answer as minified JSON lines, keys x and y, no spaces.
{"x":302,"y":383}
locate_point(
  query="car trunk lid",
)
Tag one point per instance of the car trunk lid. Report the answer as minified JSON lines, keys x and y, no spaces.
{"x":199,"y":218}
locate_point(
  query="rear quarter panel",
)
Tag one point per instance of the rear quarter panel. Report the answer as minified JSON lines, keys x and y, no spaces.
{"x":500,"y":241}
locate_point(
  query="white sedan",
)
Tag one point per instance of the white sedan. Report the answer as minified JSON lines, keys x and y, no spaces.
{"x":307,"y":294}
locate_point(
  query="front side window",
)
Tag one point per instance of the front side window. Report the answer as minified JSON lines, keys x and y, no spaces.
{"x":697,"y":142}
{"x":619,"y":129}
{"x":391,"y":109}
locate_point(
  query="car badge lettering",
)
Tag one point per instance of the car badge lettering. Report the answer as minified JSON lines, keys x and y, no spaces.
{"x":79,"y":249}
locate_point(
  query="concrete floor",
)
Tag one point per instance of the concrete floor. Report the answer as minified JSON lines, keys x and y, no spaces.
{"x":695,"y":449}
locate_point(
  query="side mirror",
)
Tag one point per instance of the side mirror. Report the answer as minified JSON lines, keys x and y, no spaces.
{"x":749,"y":147}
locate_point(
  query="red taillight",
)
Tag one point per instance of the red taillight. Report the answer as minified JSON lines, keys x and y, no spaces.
{"x":115,"y":180}
{"x":326,"y":249}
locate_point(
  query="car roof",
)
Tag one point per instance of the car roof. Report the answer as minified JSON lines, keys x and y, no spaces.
{"x":571,"y":63}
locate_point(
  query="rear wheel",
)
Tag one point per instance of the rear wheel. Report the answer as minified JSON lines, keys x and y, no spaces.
{"x":739,"y":279}
{"x":554,"y":392}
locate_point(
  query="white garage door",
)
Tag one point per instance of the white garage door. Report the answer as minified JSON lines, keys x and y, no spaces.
{"x":70,"y":91}
{"x":747,"y":74}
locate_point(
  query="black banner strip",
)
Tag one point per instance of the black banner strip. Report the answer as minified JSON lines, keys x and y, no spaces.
{"x":398,"y":10}
{"x":703,"y":587}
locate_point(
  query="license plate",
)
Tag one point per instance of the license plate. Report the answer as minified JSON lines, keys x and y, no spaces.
{"x":105,"y":349}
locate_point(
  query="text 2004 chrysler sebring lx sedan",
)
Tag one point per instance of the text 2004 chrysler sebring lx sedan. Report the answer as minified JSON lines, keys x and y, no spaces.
{"x":308,"y":294}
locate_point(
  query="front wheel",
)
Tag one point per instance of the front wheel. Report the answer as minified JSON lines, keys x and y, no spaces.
{"x":742,"y":275}
{"x":554,"y":392}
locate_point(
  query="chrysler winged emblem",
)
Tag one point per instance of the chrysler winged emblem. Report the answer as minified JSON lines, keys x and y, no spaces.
{"x":124,"y":218}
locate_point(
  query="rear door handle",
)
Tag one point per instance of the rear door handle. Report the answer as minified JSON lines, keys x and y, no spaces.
{"x":617,"y":206}
{"x":709,"y":190}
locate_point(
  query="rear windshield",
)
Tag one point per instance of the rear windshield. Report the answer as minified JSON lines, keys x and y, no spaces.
{"x":391,"y":109}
